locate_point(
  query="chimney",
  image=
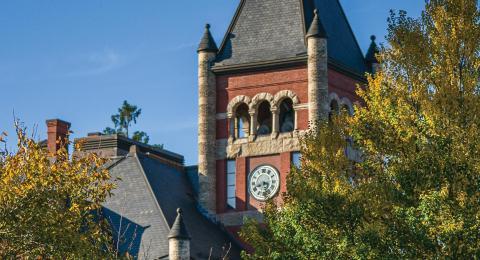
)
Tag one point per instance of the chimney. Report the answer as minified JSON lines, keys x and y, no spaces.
{"x":58,"y":131}
{"x":179,"y":239}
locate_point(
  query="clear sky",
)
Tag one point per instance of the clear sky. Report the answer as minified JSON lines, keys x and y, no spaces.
{"x":78,"y":60}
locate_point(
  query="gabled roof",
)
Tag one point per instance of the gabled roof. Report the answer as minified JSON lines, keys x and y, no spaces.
{"x":270,"y":30}
{"x":146,"y":201}
{"x":263,"y":30}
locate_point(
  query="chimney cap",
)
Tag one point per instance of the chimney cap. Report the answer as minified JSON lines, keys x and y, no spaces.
{"x":95,"y":134}
{"x":179,"y":230}
{"x":57,"y":121}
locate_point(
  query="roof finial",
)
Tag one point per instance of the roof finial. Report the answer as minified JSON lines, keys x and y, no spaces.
{"x":373,"y":50}
{"x":179,"y":230}
{"x":316,"y":28}
{"x":207,"y":43}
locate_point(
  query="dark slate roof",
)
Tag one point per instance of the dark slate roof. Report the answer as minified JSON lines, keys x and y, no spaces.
{"x":207,"y":43}
{"x":264,"y":30}
{"x":136,"y":218}
{"x":172,"y":190}
{"x":343,"y":47}
{"x":144,"y":207}
{"x":268,"y":30}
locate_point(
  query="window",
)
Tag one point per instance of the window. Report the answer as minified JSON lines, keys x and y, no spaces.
{"x":334,"y":109}
{"x":296,"y":159}
{"x":287,"y":116}
{"x":231,"y":180}
{"x":242,"y":118}
{"x":264,"y":119}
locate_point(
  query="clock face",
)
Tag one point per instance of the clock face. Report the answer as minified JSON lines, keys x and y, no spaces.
{"x":264,"y":182}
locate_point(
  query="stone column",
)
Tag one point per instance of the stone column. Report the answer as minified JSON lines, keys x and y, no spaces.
{"x":317,"y":71}
{"x":275,"y":122}
{"x":231,"y":126}
{"x":207,"y":123}
{"x":253,"y":123}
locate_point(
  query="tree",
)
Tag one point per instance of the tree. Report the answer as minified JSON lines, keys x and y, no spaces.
{"x":50,"y":205}
{"x":416,"y":192}
{"x":122,"y":121}
{"x":141,"y":136}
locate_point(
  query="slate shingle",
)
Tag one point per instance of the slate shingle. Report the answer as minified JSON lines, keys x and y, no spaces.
{"x":267,"y":30}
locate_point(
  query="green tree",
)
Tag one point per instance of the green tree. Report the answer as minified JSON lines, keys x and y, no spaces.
{"x":50,"y":204}
{"x":122,"y":121}
{"x":141,"y":136}
{"x":415,"y":194}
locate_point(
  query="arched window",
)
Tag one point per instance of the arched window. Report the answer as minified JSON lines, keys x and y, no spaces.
{"x":287,"y":116}
{"x":264,"y":119}
{"x":242,"y":121}
{"x":334,"y":109}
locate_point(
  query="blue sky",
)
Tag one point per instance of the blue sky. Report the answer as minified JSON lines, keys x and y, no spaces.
{"x":78,"y":60}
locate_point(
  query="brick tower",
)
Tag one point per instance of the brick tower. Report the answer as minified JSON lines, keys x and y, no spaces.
{"x":282,"y":66}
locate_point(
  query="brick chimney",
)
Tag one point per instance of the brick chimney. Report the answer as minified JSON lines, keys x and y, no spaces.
{"x":58,"y":131}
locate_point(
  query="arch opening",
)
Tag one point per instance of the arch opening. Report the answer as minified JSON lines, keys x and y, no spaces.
{"x":264,"y":119}
{"x":242,"y":121}
{"x":287,"y":116}
{"x":334,"y":109}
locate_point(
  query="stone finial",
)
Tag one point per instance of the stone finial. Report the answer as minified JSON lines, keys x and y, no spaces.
{"x":179,"y":239}
{"x":179,"y":230}
{"x":207,"y":43}
{"x":372,"y":51}
{"x":316,"y":28}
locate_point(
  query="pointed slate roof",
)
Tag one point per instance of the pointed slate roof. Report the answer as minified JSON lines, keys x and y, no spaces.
{"x":372,"y":51}
{"x":264,"y":30}
{"x":316,"y":28}
{"x":178,"y":229}
{"x":207,"y":43}
{"x":275,"y":30}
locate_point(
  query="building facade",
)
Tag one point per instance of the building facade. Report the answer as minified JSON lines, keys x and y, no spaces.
{"x":282,"y":66}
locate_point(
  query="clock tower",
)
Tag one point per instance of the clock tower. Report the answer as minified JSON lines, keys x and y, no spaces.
{"x":282,"y":66}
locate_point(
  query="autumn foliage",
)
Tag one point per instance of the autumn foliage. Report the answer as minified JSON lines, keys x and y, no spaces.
{"x":50,"y":204}
{"x":415,"y":193}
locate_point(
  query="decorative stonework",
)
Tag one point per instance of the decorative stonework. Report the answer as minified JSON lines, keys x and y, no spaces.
{"x":280,"y":96}
{"x":235,"y":102}
{"x":342,"y":102}
{"x":262,"y":145}
{"x":259,"y":98}
{"x":345,"y":102}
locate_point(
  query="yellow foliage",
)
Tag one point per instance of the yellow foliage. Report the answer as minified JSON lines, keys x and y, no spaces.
{"x":50,"y":204}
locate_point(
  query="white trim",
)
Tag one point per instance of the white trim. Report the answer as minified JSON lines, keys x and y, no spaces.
{"x":302,"y":106}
